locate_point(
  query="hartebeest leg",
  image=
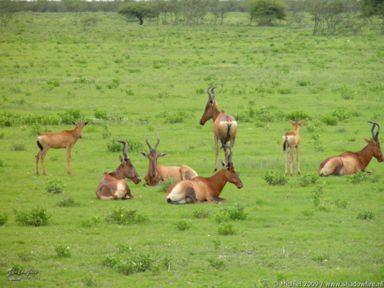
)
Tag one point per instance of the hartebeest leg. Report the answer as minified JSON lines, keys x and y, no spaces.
{"x":42,"y":156}
{"x":37,"y":162}
{"x":286,"y":161}
{"x":69,"y":161}
{"x":298,"y":161}
{"x":217,"y":152}
{"x":291,"y":160}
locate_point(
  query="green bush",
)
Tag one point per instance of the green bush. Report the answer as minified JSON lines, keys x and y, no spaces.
{"x":216,"y":263}
{"x":67,"y":202}
{"x":101,"y":114}
{"x":63,"y":251}
{"x":307,"y":180}
{"x":183,"y":225}
{"x":200,"y":214}
{"x":329,"y":120}
{"x":55,"y":186}
{"x":225,"y":229}
{"x":365,"y":215}
{"x":275,"y":178}
{"x":123,"y":216}
{"x":3,"y":218}
{"x":34,"y":217}
{"x":359,"y":177}
{"x":266,"y":11}
{"x":71,"y":115}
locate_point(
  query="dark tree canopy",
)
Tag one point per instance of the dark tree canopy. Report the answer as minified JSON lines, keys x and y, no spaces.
{"x":265,"y":11}
{"x":140,"y":10}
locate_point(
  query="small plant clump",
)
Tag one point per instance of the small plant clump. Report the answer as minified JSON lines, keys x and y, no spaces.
{"x":358,"y":177}
{"x":55,"y":186}
{"x":365,"y":215}
{"x":35,"y":217}
{"x":200,"y":214}
{"x":123,"y":216}
{"x":3,"y":218}
{"x":63,"y":251}
{"x":307,"y":180}
{"x":216,"y":263}
{"x":275,"y":178}
{"x":67,"y":202}
{"x":183,"y":225}
{"x":225,"y":229}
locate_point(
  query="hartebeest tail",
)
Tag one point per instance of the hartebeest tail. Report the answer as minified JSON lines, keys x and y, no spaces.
{"x":291,"y":139}
{"x":157,"y":173}
{"x":65,"y":139}
{"x":224,"y":125}
{"x":113,"y":185}
{"x":349,"y":163}
{"x":201,"y":189}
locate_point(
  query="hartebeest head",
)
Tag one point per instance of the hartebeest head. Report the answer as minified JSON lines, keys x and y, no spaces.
{"x":78,"y":131}
{"x":211,"y":104}
{"x":126,"y":169}
{"x":296,"y":124}
{"x":374,"y":144}
{"x":230,"y":172}
{"x":152,"y":156}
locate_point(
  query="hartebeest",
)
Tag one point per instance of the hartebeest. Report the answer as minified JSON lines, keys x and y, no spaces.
{"x":157,"y":172}
{"x":351,"y":162}
{"x":291,"y":139}
{"x":64,"y":139}
{"x":201,"y":189}
{"x":224,"y":126}
{"x":113,"y":185}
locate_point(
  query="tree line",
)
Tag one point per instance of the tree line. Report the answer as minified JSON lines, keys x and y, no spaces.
{"x":326,"y":14}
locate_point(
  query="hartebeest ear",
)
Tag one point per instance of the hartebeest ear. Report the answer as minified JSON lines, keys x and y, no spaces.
{"x":74,"y":123}
{"x":162,"y":155}
{"x":368,"y":141}
{"x":302,"y":122}
{"x":142,"y":153}
{"x":291,"y":122}
{"x":86,"y":123}
{"x":223,"y":164}
{"x":121,"y":159}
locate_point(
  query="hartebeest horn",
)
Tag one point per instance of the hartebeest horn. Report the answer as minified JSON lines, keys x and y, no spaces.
{"x":158,"y":141}
{"x":149,"y":145}
{"x":124,"y":149}
{"x":209,"y":95}
{"x":375,"y":136}
{"x":213,"y":93}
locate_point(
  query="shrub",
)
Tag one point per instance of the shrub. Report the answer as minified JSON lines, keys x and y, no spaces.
{"x":101,"y":114}
{"x":216,"y":263}
{"x":90,"y":222}
{"x":300,"y":115}
{"x":225,"y":229}
{"x":3,"y":218}
{"x":275,"y":178}
{"x":341,"y":114}
{"x":114,"y":146}
{"x":358,"y":177}
{"x":200,"y":214}
{"x":62,"y":251}
{"x":265,"y":11}
{"x":55,"y":186}
{"x":236,"y":212}
{"x":365,"y":215}
{"x":70,"y":115}
{"x":123,"y":216}
{"x":183,"y":225}
{"x":34,"y":217}
{"x":307,"y":180}
{"x":329,"y":120}
{"x":18,"y":147}
{"x":67,"y":202}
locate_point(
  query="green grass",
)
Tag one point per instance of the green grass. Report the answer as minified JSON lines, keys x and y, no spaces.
{"x":130,"y":81}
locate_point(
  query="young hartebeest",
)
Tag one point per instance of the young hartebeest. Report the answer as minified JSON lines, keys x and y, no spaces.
{"x":157,"y":172}
{"x":113,"y":185}
{"x":201,"y":189}
{"x":224,"y":126}
{"x":64,"y":139}
{"x":291,"y":139}
{"x":351,"y":162}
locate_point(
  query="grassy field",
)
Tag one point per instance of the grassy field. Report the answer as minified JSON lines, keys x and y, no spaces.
{"x":130,"y":81}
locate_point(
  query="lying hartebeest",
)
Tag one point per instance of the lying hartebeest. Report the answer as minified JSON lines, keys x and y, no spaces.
{"x":201,"y":189}
{"x":64,"y":139}
{"x":113,"y":185}
{"x":224,"y":126}
{"x":291,"y":139}
{"x":351,"y":162}
{"x":157,"y":172}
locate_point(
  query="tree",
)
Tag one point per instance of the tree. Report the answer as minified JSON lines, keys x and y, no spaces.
{"x":372,"y":7}
{"x":140,"y":10}
{"x":265,"y":11}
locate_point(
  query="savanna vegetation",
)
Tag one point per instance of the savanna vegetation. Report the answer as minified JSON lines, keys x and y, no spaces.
{"x":130,"y":80}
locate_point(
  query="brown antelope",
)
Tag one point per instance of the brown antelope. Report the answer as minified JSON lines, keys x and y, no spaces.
{"x":113,"y":185}
{"x":157,"y":172}
{"x":201,"y":189}
{"x":224,"y":126}
{"x":351,"y":162}
{"x":64,"y":139}
{"x":291,"y":139}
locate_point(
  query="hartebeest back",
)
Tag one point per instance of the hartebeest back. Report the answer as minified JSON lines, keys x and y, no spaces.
{"x":291,"y":140}
{"x":224,"y":126}
{"x":349,"y":163}
{"x":113,"y":185}
{"x":65,"y":139}
{"x":201,"y":189}
{"x":157,"y":172}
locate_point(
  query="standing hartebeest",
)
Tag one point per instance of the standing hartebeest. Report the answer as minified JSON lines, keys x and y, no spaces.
{"x":64,"y":139}
{"x":224,"y":126}
{"x":291,"y":139}
{"x":113,"y":185}
{"x":157,"y":172}
{"x":351,"y":162}
{"x":201,"y":189}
